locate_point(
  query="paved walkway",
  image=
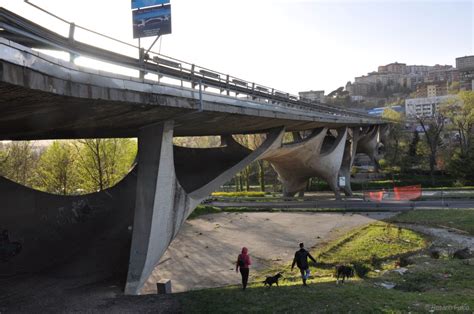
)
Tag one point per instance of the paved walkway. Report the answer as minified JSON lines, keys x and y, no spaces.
{"x":348,"y":205}
{"x":444,"y":235}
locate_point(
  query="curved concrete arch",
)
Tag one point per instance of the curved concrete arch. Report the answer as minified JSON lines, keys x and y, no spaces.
{"x":189,"y":164}
{"x":295,"y":163}
{"x":291,"y":161}
{"x":328,"y":164}
{"x":162,"y":204}
{"x":384,"y":132}
{"x":56,"y":230}
{"x":370,"y":144}
{"x":311,"y":144}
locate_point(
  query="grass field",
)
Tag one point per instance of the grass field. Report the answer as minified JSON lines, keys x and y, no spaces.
{"x":441,"y":285}
{"x":462,"y":219}
{"x":422,"y":294}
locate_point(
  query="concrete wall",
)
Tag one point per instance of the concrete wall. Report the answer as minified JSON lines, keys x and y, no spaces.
{"x":85,"y":236}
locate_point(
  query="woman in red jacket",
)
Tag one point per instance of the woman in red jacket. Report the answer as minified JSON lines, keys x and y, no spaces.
{"x":243,"y":262}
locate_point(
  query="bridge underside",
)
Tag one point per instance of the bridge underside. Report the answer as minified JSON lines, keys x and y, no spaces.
{"x":126,"y":229}
{"x":52,"y":116}
{"x":95,"y":235}
{"x":130,"y":226}
{"x":53,"y":99}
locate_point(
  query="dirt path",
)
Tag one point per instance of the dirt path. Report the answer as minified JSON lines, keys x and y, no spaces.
{"x":443,"y":236}
{"x":204,"y":252}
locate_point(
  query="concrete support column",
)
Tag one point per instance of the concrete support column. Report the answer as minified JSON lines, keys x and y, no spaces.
{"x":328,"y":164}
{"x":369,"y":144}
{"x":155,"y":209}
{"x":171,"y":182}
{"x":348,"y":158}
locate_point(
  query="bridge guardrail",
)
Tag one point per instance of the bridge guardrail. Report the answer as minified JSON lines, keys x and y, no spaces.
{"x":165,"y":66}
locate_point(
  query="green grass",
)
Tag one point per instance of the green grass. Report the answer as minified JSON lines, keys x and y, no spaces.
{"x":462,"y":219}
{"x":374,"y":246}
{"x":204,"y":210}
{"x":428,"y":284}
{"x":469,"y":187}
{"x":355,"y":297}
{"x":381,"y":240}
{"x":239,"y":194}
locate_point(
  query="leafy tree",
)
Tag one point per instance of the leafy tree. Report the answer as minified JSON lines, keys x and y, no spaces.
{"x":197,"y":141}
{"x":57,"y":169}
{"x":460,"y":112}
{"x":339,"y":97}
{"x":18,"y":162}
{"x":253,"y":141}
{"x":462,"y":167}
{"x":3,"y":159}
{"x":393,"y":145}
{"x":103,"y":162}
{"x":338,"y":93}
{"x":453,"y":87}
{"x":411,"y":158}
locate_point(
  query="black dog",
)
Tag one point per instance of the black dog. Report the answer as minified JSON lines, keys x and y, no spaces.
{"x":344,"y":272}
{"x":271,"y":280}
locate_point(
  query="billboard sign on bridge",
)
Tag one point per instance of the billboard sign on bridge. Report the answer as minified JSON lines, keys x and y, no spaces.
{"x":137,"y":4}
{"x":155,"y":21}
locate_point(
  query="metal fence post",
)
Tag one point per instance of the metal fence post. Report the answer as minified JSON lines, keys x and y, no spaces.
{"x":141,"y":58}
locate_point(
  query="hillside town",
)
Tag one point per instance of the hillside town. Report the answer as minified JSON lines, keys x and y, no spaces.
{"x":416,"y":90}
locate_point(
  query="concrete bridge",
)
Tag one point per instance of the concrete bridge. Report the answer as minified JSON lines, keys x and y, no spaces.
{"x":46,"y":98}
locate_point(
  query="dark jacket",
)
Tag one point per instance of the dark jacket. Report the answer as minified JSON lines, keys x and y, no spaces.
{"x":301,"y":259}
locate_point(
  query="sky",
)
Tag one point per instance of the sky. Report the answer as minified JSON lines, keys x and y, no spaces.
{"x":290,"y":45}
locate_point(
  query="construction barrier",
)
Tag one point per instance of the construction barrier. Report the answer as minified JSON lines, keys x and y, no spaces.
{"x":407,"y":193}
{"x":402,"y":193}
{"x":374,"y":196}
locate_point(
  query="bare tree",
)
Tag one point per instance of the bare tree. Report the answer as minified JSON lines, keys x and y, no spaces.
{"x":432,"y":126}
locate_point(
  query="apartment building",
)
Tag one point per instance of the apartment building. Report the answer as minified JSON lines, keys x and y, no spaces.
{"x":316,"y":96}
{"x":465,"y":66}
{"x":425,"y":106}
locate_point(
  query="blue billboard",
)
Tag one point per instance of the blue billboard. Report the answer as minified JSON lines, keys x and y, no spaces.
{"x":152,"y":21}
{"x":136,"y":4}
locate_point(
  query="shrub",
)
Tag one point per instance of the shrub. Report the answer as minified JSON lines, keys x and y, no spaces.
{"x":360,"y":269}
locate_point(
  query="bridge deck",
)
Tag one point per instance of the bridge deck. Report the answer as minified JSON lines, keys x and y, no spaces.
{"x":44,"y":98}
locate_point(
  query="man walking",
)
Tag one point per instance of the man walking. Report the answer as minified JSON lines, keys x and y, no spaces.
{"x":301,"y":260}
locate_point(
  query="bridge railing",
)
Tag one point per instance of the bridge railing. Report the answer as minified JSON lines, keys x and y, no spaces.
{"x":166,"y":68}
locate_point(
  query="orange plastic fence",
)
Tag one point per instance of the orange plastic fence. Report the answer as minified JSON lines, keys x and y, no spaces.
{"x":375,"y":196}
{"x":407,"y":193}
{"x":403,"y":193}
